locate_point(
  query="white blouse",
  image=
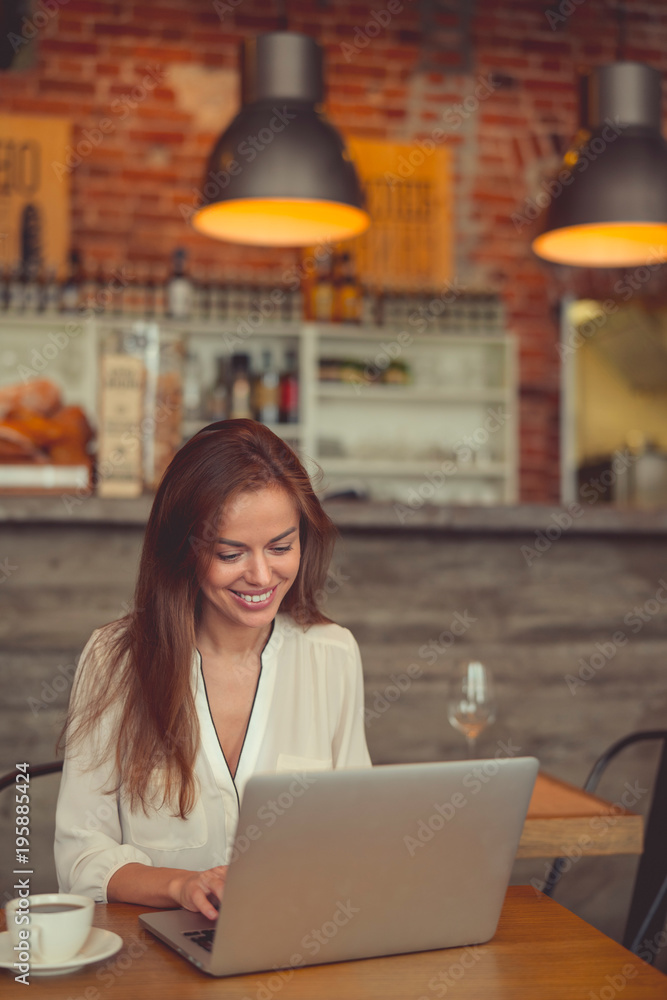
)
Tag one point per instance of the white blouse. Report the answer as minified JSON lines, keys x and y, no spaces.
{"x":308,"y":714}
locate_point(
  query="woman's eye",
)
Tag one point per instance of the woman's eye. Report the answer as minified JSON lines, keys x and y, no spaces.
{"x":233,"y":556}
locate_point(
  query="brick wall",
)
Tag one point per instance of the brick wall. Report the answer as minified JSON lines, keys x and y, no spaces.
{"x":96,"y":57}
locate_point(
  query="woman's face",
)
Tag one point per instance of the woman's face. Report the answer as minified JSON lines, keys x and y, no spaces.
{"x":256,"y":559}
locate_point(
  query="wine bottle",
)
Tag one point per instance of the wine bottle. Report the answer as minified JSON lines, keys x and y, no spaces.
{"x":70,"y":288}
{"x":323,"y":292}
{"x":218,"y":397}
{"x":179,"y":287}
{"x":266,"y":391}
{"x":16,"y":290}
{"x":289,"y":390}
{"x":30,"y":292}
{"x":239,"y":389}
{"x":348,"y":294}
{"x":5,"y":283}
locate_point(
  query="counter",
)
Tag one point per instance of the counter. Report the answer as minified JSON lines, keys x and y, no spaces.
{"x":370,"y":516}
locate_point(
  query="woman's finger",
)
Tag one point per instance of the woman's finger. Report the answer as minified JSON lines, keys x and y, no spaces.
{"x":202,"y":903}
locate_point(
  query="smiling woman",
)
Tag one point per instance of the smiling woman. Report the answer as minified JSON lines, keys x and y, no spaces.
{"x":253,"y":575}
{"x":226,"y":667}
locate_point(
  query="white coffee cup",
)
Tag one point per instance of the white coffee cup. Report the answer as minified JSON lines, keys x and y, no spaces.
{"x":50,"y":927}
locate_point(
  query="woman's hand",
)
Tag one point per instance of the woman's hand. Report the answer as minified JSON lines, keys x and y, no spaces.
{"x":193,"y":890}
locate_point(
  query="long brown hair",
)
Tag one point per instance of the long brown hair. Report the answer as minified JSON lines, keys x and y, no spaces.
{"x":143,"y":662}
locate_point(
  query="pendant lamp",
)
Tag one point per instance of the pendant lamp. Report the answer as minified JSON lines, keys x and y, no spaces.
{"x":609,"y":204}
{"x":280,"y":174}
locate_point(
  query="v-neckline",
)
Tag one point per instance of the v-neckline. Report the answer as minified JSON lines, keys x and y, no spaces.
{"x":250,"y":714}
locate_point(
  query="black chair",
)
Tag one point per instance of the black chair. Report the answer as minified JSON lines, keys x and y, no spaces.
{"x":42,"y":818}
{"x":35,"y":771}
{"x":648,"y":906}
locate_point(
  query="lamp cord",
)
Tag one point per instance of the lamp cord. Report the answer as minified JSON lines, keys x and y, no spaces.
{"x":622,"y":19}
{"x":283,"y":20}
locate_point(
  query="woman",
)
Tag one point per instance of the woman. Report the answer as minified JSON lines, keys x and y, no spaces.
{"x":224,"y":668}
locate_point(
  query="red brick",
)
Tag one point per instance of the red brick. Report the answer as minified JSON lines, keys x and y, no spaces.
{"x":71,"y":48}
{"x":538,"y":83}
{"x":68,"y":25}
{"x":93,"y":7}
{"x":156,"y":175}
{"x":39,"y":105}
{"x":67,"y":86}
{"x":162,"y":115}
{"x":163,"y":137}
{"x":158,"y":54}
{"x":121,"y":30}
{"x":256,"y":23}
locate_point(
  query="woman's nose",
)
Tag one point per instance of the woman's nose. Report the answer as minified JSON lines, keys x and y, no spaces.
{"x":258,"y":571}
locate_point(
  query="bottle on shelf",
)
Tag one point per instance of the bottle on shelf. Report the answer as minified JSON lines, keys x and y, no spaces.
{"x":239,"y":387}
{"x":48,"y":290}
{"x":204,"y":297}
{"x":286,"y":303}
{"x":179,"y":290}
{"x":5,"y":284}
{"x":379,"y":309}
{"x":220,"y":299}
{"x":149,"y":294}
{"x":135,"y":293}
{"x":100,"y":293}
{"x":266,"y":391}
{"x":297,"y":300}
{"x":307,"y":285}
{"x":88,"y":290}
{"x":217,"y":400}
{"x":323,"y":291}
{"x":239,"y":304}
{"x":255,"y":297}
{"x":348,"y":304}
{"x":160,"y":291}
{"x":30,"y":291}
{"x":30,"y":236}
{"x":70,"y":288}
{"x":16,"y":290}
{"x":118,"y":296}
{"x":289,"y":390}
{"x":192,"y":394}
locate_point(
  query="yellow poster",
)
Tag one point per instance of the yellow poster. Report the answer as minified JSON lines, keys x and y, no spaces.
{"x":408,"y":191}
{"x":34,"y":201}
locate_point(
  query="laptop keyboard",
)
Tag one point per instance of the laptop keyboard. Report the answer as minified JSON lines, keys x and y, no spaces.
{"x":203,"y":938}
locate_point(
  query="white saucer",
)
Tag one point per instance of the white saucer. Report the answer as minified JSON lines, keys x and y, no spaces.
{"x":99,"y":944}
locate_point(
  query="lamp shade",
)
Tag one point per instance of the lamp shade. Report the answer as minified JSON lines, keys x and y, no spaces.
{"x":280,"y":174}
{"x":608,"y":205}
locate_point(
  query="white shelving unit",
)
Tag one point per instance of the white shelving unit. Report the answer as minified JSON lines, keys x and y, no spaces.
{"x":447,"y":437}
{"x":450,"y":436}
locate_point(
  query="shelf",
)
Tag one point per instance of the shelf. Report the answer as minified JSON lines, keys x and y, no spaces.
{"x":440,"y":407}
{"x":272,"y":327}
{"x":409,"y":468}
{"x":230,"y":327}
{"x":390,"y":331}
{"x":371,"y":392}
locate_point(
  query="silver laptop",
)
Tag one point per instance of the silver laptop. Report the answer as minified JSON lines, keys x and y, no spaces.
{"x":337,"y":865}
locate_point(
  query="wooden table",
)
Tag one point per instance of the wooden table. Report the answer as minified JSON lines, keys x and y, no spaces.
{"x":540,"y":950}
{"x":565,"y":821}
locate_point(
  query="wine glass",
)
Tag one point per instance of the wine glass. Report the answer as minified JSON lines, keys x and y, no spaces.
{"x":471,"y":704}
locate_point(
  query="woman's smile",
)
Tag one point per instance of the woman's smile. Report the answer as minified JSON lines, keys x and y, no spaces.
{"x":255,"y":598}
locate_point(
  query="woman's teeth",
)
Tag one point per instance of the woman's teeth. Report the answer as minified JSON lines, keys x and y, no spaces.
{"x":255,"y":598}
